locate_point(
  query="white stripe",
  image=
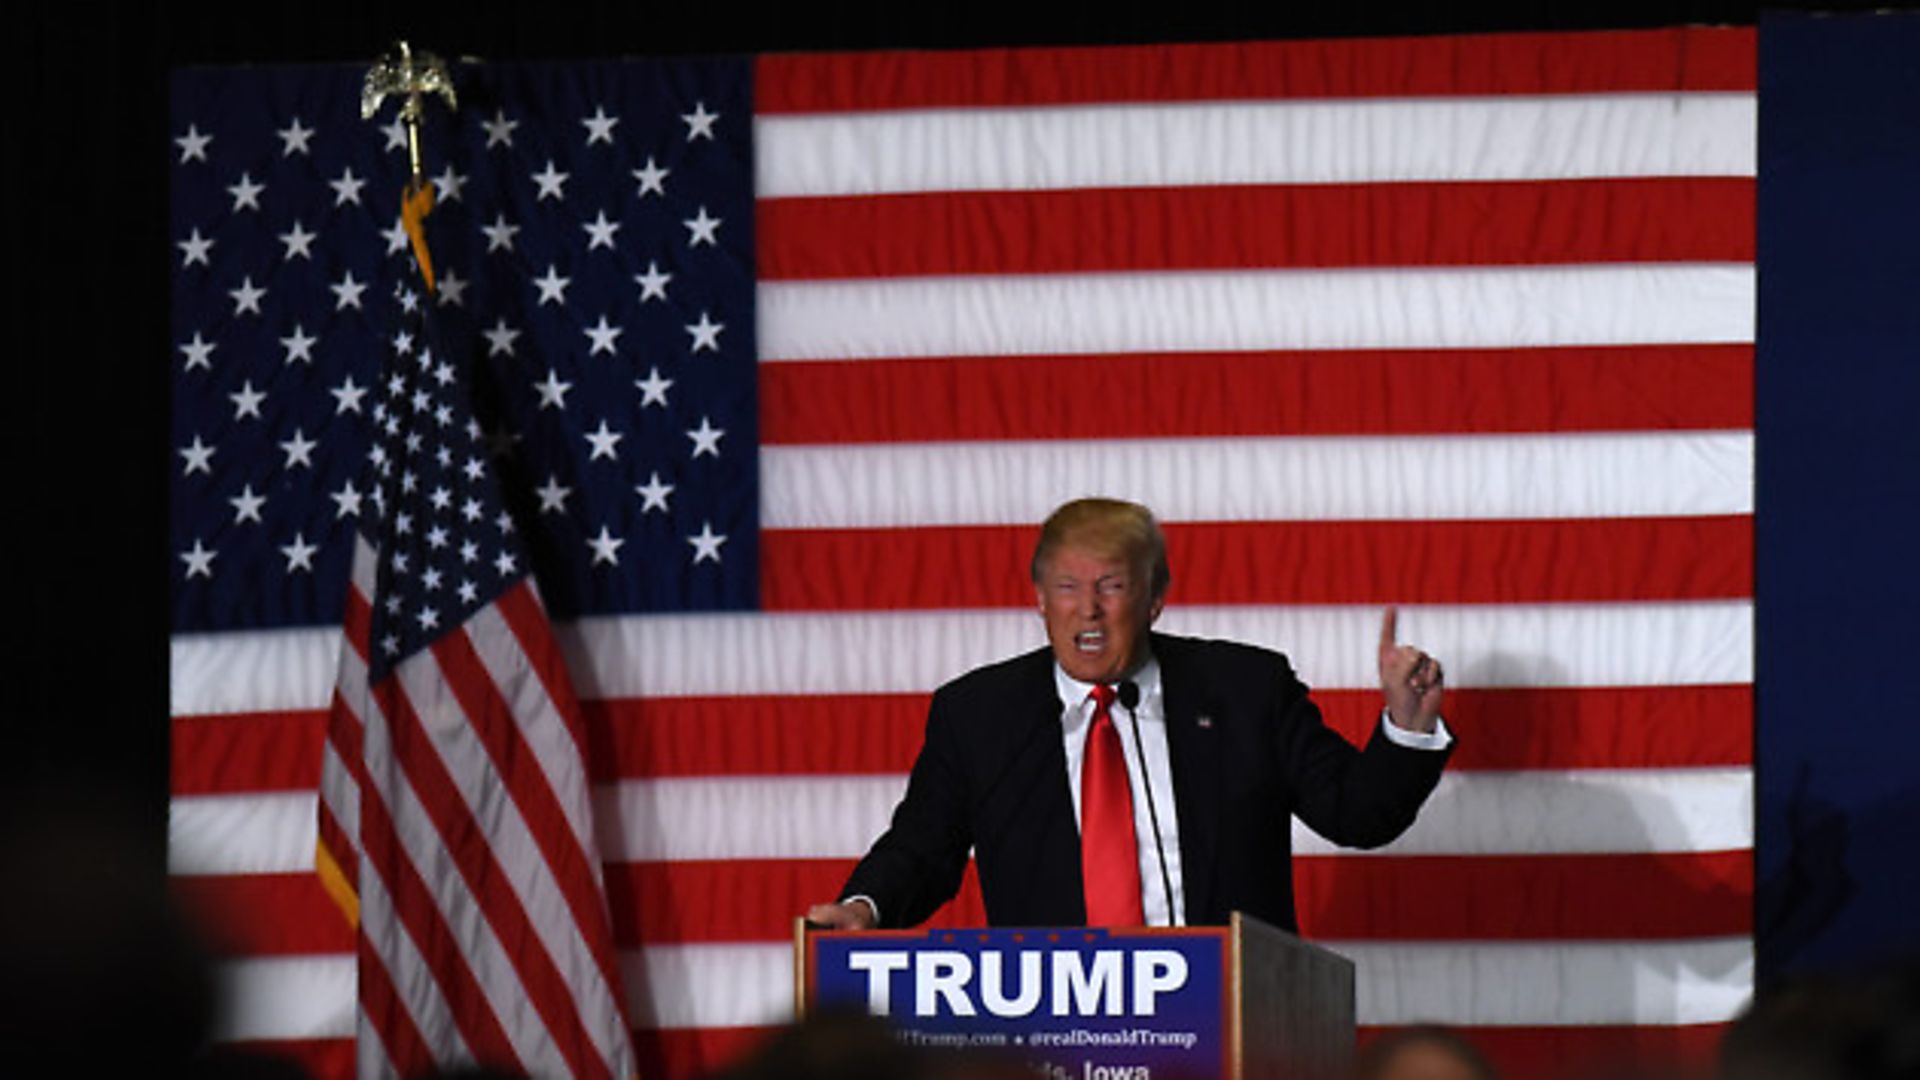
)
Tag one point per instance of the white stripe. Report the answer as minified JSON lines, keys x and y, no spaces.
{"x":263,"y":833}
{"x":1490,"y":984}
{"x":1240,"y":310}
{"x":1567,"y":645}
{"x":1259,"y":142}
{"x":1686,"y":643}
{"x":530,"y":878}
{"x":286,"y":997}
{"x":1281,"y":478}
{"x":1511,"y":984}
{"x":1573,"y":812}
{"x":1548,"y":812}
{"x":252,"y":671}
{"x":1614,"y":811}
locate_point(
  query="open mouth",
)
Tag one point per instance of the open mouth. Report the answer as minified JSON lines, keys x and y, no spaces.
{"x":1090,"y":641}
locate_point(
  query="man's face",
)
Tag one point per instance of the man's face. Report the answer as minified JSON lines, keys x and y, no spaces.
{"x":1097,"y":611}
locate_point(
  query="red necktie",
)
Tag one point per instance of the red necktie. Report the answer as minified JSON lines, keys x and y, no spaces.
{"x":1109,"y":856}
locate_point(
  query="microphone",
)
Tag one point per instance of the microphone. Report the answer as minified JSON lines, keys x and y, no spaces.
{"x":1128,"y":693}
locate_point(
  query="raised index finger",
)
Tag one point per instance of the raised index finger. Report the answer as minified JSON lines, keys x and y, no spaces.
{"x":1389,"y":625}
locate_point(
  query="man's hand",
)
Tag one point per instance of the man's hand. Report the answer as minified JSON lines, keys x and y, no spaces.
{"x":1410,"y":679}
{"x":852,"y":915}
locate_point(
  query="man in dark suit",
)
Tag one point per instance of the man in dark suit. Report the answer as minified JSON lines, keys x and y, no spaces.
{"x":1022,"y":763}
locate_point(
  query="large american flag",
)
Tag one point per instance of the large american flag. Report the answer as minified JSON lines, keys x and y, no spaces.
{"x":1463,"y":324}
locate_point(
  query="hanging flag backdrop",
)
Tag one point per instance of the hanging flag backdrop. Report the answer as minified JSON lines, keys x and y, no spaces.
{"x":781,"y":361}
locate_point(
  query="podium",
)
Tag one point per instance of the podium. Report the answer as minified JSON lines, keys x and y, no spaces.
{"x":1245,"y":1001}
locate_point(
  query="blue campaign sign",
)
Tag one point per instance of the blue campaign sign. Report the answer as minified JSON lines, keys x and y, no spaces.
{"x":1077,"y":1004}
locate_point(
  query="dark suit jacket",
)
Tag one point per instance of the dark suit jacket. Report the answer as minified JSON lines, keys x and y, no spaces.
{"x":1248,"y":750}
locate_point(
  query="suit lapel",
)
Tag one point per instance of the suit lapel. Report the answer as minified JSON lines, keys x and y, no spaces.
{"x":1194,"y":747}
{"x":1059,"y":891}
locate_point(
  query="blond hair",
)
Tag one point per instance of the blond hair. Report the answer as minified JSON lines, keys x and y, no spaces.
{"x":1111,"y":529}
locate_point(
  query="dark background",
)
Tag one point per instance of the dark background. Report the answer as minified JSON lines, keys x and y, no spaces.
{"x":90,"y":358}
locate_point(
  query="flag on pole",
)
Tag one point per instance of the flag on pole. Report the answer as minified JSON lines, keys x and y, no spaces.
{"x":1462,"y":324}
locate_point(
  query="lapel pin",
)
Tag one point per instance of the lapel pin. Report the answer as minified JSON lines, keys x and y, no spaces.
{"x":1203,"y":722}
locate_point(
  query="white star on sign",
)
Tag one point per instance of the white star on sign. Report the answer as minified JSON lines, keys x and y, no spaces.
{"x":448,"y":184}
{"x":246,"y":193}
{"x":299,"y":242}
{"x":706,"y":333}
{"x":553,"y":392}
{"x":706,"y":438}
{"x":299,"y":345}
{"x":600,"y":126}
{"x":707,"y":544}
{"x":293,"y":138}
{"x":246,"y":401}
{"x":653,"y":494}
{"x":199,"y":353}
{"x":653,"y":388}
{"x":552,"y":182}
{"x":347,"y":500}
{"x":194,"y":249}
{"x":499,"y":129}
{"x":500,"y":339}
{"x":246,"y":505}
{"x":347,"y":396}
{"x":299,"y":450}
{"x":199,"y":560}
{"x":199,"y":458}
{"x":299,"y":553}
{"x":602,"y":335}
{"x":604,"y":443}
{"x":652,"y":178}
{"x":699,"y":122}
{"x":499,"y":234}
{"x":246,"y":298}
{"x":701,"y":229}
{"x":553,"y":287}
{"x":600,"y":231}
{"x":653,"y":283}
{"x":193,"y":147}
{"x":346,"y":292}
{"x":347,"y":188}
{"x":605,"y":547}
{"x":553,"y":497}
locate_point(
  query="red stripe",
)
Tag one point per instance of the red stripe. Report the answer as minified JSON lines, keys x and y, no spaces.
{"x":1498,"y":898}
{"x":520,"y":607}
{"x":1656,"y":219}
{"x":1511,"y":728}
{"x":1295,"y":562}
{"x":264,"y":914}
{"x":272,"y":751}
{"x":321,"y":1059}
{"x":741,"y":900}
{"x":1581,"y":63}
{"x":1651,"y":1051}
{"x":1315,"y":392}
{"x":486,"y":881}
{"x":493,"y":721}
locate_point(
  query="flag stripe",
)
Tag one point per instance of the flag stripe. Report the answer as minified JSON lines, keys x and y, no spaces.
{"x":802,"y":817}
{"x":445,"y":776}
{"x":1694,"y":643}
{"x":1203,"y":143}
{"x":402,"y":932}
{"x":1695,"y":58}
{"x":1348,"y":392}
{"x":1246,"y":310}
{"x":1488,"y":223}
{"x":1302,"y":562}
{"x":1662,"y":474}
{"x":1593,"y":727}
